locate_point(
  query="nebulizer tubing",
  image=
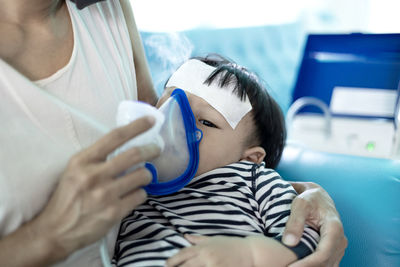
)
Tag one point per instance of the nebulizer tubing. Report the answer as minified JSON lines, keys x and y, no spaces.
{"x":310,"y":101}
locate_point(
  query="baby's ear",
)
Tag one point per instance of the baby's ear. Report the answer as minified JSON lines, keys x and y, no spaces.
{"x":254,"y":154}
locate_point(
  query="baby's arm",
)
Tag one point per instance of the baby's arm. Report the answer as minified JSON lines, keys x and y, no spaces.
{"x":252,"y":251}
{"x":267,"y":251}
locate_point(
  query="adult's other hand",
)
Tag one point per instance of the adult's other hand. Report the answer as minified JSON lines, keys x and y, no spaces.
{"x":313,"y":206}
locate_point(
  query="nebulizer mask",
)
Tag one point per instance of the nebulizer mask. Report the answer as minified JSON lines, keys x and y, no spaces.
{"x":176,"y":134}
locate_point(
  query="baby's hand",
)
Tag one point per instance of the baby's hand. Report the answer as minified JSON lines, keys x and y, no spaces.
{"x":213,"y":251}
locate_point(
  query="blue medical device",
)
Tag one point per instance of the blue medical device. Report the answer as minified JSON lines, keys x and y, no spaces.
{"x":347,"y":60}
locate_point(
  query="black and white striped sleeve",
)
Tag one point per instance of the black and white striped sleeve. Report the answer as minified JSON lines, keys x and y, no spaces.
{"x":275,"y":197}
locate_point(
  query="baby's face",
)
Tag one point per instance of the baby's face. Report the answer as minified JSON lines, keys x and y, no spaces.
{"x":220,"y":145}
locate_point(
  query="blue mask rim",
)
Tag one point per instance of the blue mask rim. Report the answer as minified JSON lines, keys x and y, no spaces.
{"x":193,"y":138}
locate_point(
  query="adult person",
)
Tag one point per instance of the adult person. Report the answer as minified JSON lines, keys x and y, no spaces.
{"x":62,"y":74}
{"x":61,"y":80}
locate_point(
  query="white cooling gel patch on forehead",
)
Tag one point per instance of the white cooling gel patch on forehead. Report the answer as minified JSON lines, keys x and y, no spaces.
{"x":190,"y":77}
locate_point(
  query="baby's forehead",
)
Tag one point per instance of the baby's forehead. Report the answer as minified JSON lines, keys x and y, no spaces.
{"x":191,"y":77}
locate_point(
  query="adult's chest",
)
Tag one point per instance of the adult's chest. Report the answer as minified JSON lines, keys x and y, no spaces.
{"x":37,"y":49}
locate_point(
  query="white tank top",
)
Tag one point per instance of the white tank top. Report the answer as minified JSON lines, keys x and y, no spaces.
{"x":43,"y":123}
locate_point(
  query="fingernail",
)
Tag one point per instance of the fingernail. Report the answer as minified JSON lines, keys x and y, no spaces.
{"x":289,"y":240}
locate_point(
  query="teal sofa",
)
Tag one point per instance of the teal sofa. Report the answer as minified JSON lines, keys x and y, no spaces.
{"x":366,"y":192}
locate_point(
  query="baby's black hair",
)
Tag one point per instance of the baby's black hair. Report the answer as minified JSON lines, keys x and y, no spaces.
{"x":267,"y":115}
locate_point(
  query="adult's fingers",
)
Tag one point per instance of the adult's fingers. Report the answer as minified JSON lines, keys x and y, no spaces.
{"x":330,"y":249}
{"x":131,"y":201}
{"x":296,"y":222}
{"x":129,"y":158}
{"x":301,"y":187}
{"x":129,"y":186}
{"x":319,"y":258}
{"x":130,"y":182}
{"x":309,"y":261}
{"x":114,"y":139}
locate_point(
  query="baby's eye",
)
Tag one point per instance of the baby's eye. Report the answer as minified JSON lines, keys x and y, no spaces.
{"x":208,"y":123}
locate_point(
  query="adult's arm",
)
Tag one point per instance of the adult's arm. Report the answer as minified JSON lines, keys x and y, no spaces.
{"x":145,"y":85}
{"x":86,"y":203}
{"x":315,"y":207}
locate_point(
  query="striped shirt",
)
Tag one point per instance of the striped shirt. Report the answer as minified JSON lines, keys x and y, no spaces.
{"x":239,"y":200}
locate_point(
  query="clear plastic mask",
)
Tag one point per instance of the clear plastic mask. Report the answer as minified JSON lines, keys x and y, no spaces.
{"x":175,"y":132}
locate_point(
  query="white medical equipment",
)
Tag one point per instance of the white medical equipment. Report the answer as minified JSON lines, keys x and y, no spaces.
{"x":369,"y":137}
{"x":346,"y":98}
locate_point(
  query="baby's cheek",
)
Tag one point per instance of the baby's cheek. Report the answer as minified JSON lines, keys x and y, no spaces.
{"x":217,"y":150}
{"x":207,"y":160}
{"x":203,"y":160}
{"x":211,"y":160}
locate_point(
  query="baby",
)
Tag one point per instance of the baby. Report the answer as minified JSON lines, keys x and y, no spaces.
{"x":234,"y":210}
